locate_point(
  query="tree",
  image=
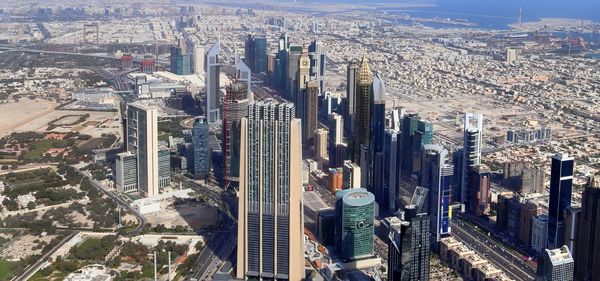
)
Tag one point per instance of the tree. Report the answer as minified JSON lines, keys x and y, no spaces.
{"x":31,"y":205}
{"x":10,"y":204}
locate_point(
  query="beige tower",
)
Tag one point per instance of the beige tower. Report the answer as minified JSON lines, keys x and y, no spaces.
{"x":270,"y":210}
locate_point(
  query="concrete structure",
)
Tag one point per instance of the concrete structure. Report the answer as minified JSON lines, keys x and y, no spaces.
{"x":321,"y":138}
{"x":352,"y":177}
{"x":556,"y":265}
{"x":336,"y":179}
{"x":318,"y":63}
{"x":235,"y":107}
{"x":561,"y":187}
{"x":199,"y":60}
{"x":311,"y":110}
{"x":479,"y":197}
{"x":212,"y":83}
{"x":336,"y":136}
{"x":126,"y":172}
{"x":142,"y":140}
{"x":528,"y":211}
{"x":473,"y":135}
{"x":270,"y":224}
{"x":354,"y":226}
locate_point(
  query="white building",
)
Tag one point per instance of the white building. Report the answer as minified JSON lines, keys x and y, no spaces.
{"x":94,"y":272}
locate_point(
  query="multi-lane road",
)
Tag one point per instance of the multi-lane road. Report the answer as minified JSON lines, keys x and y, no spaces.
{"x":495,"y":252}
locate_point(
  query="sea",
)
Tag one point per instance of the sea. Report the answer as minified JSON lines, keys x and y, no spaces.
{"x":493,"y":14}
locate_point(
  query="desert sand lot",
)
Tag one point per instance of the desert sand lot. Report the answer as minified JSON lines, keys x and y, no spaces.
{"x":192,"y":215}
{"x":34,"y":115}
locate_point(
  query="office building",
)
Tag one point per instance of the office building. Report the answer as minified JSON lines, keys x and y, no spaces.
{"x":539,"y":233}
{"x":391,"y":168}
{"x":587,"y":246}
{"x":437,"y":176}
{"x":561,"y":188}
{"x":351,"y":175}
{"x":321,"y":146}
{"x":572,"y":214}
{"x":363,"y":108}
{"x":335,"y":126}
{"x":243,"y":74}
{"x":318,"y":63}
{"x":473,"y":135}
{"x":479,"y":198}
{"x":556,"y":265}
{"x":256,"y":53}
{"x":350,"y":112}
{"x":342,"y":153}
{"x":415,"y":134}
{"x":354,"y":227}
{"x":164,"y":167}
{"x":199,"y":60}
{"x":376,"y":144}
{"x":270,"y":212}
{"x":142,"y":140}
{"x":528,"y":211}
{"x":336,"y":179}
{"x":126,"y":172}
{"x":201,"y":153}
{"x":212,"y":82}
{"x":235,"y":107}
{"x":409,"y":247}
{"x":310,"y":121}
{"x":126,"y":61}
{"x":180,"y":61}
{"x":148,"y":64}
{"x":293,"y":54}
{"x":326,"y":226}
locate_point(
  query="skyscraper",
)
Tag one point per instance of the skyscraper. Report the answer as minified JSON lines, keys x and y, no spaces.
{"x":437,"y":175}
{"x":587,"y":260}
{"x":235,"y":108}
{"x":363,"y":107}
{"x":561,"y":187}
{"x":256,"y":53}
{"x":391,"y":168}
{"x":243,"y":74}
{"x":180,"y":61}
{"x":142,"y":139}
{"x":270,"y":222}
{"x":311,"y":110}
{"x":293,"y":54}
{"x":321,"y":145}
{"x":376,"y":144}
{"x":473,"y":134}
{"x":556,"y":265}
{"x":316,"y":53}
{"x":198,"y":60}
{"x":354,"y":226}
{"x":409,"y":247}
{"x":351,"y":78}
{"x":201,"y":151}
{"x":212,"y":81}
{"x":336,"y":136}
{"x":126,"y":172}
{"x":415,"y":134}
{"x":479,"y":197}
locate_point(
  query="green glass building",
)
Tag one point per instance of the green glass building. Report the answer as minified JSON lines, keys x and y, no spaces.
{"x":354,"y":223}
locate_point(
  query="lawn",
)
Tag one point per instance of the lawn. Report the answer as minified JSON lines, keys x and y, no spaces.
{"x":41,"y":146}
{"x":5,"y":271}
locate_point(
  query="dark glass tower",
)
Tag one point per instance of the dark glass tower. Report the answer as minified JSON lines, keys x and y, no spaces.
{"x":363,"y":107}
{"x":437,"y":176}
{"x":256,"y":53}
{"x":587,"y":246}
{"x":376,"y":143}
{"x":354,"y":223}
{"x":409,"y":247}
{"x":561,"y":187}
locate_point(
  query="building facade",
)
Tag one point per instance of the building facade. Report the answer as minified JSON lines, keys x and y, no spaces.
{"x":212,"y":82}
{"x":587,"y":260}
{"x":436,"y":175}
{"x":354,"y":227}
{"x":201,"y":155}
{"x":561,"y":188}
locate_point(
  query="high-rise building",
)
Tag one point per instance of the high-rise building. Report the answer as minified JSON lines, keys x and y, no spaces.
{"x":350,"y":112}
{"x":199,"y":60}
{"x":212,"y":81}
{"x":364,"y":83}
{"x":201,"y":149}
{"x":587,"y":260}
{"x":126,"y":172}
{"x":336,"y":136}
{"x":270,"y":212}
{"x":409,"y":247}
{"x":539,"y":233}
{"x":321,"y":145}
{"x":311,"y":109}
{"x":354,"y":226}
{"x":142,"y":140}
{"x":376,"y":144}
{"x":318,"y":63}
{"x":302,"y":78}
{"x":126,"y":62}
{"x":256,"y":53}
{"x":351,"y":175}
{"x":415,"y":134}
{"x":235,"y":107}
{"x":556,"y":265}
{"x":148,"y":64}
{"x":561,"y":187}
{"x":336,"y":179}
{"x":293,"y":54}
{"x":180,"y":61}
{"x":243,"y":74}
{"x":479,"y":182}
{"x":473,"y":135}
{"x":437,"y":176}
{"x":528,"y":211}
{"x":391,"y":168}
{"x":572,"y":214}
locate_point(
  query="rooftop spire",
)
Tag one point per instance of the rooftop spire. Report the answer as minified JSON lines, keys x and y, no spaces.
{"x":365,"y":75}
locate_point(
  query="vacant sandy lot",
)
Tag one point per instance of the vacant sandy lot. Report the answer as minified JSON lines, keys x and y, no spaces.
{"x":193,"y":215}
{"x":34,"y":115}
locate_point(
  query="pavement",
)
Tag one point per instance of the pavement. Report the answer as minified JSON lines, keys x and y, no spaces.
{"x":496,"y":253}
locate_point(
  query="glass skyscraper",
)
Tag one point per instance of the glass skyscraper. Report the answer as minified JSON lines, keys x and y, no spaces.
{"x":561,"y":187}
{"x":437,"y":176}
{"x":354,"y":223}
{"x":201,"y":152}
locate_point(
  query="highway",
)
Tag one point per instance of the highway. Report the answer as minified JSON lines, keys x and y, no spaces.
{"x":498,"y":254}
